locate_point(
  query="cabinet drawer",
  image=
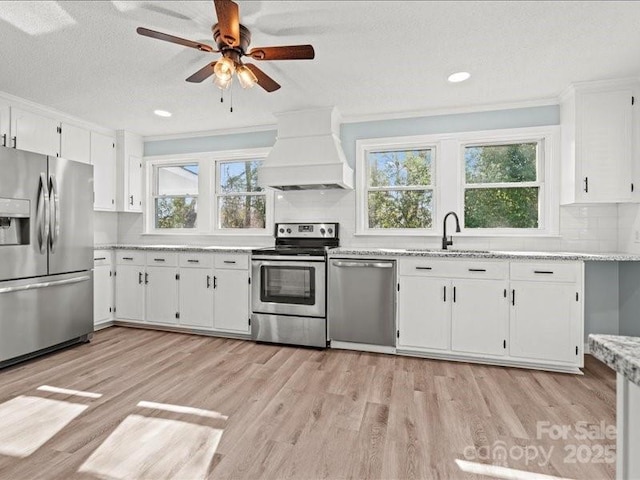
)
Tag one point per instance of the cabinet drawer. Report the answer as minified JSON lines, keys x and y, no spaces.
{"x":235,"y":261}
{"x":455,"y":268}
{"x":162,"y":259}
{"x":196,"y":260}
{"x":129,"y":257}
{"x":546,"y":271}
{"x":101,"y":257}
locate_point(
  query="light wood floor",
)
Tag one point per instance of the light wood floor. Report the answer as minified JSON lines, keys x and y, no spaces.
{"x":288,"y":413}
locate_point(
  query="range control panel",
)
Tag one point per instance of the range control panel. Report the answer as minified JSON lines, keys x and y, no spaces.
{"x":306,"y":230}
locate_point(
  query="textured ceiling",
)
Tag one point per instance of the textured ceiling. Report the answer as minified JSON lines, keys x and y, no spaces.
{"x":374,"y":57}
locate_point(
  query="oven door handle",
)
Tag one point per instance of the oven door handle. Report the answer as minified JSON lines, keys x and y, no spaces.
{"x":284,"y":260}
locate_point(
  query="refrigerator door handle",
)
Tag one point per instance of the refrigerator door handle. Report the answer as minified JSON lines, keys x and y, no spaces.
{"x":55,"y":283}
{"x":55,"y":216}
{"x":42,"y":214}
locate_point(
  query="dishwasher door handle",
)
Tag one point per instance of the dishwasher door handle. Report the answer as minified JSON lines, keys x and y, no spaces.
{"x":363,"y":264}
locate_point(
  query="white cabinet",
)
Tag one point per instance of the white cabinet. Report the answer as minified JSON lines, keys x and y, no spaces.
{"x":103,"y":305}
{"x":34,"y":133}
{"x":130,"y":292}
{"x":480,"y":316}
{"x":103,"y":157}
{"x":161,"y":299}
{"x":598,"y":143}
{"x":129,"y":152}
{"x":231,"y":300}
{"x":424,"y":314}
{"x":75,"y":143}
{"x":196,"y":297}
{"x":5,"y":124}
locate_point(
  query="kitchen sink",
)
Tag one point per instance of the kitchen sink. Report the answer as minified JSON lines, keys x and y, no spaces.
{"x":451,"y":250}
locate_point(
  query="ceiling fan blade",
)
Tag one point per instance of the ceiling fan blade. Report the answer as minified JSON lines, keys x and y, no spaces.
{"x":170,"y":38}
{"x":290,"y":52}
{"x":264,"y":80}
{"x":228,"y":21}
{"x":202,"y":74}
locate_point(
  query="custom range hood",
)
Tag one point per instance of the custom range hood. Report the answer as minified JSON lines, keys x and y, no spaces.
{"x":307,"y":154}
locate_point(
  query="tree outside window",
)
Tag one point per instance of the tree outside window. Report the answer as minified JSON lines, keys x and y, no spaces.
{"x":176,"y":196}
{"x":241,"y":202}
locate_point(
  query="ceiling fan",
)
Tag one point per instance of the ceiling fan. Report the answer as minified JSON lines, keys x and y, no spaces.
{"x":232,"y":40}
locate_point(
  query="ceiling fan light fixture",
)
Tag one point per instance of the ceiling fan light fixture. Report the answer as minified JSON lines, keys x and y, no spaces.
{"x":224,"y":69}
{"x":222,"y":84}
{"x":246,"y":77}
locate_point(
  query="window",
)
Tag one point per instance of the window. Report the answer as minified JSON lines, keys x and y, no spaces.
{"x":175,"y":196}
{"x":399,"y":189}
{"x":502,"y":187}
{"x":241,"y":203}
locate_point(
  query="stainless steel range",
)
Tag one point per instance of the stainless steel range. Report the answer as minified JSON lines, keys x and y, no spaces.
{"x":289,"y":293}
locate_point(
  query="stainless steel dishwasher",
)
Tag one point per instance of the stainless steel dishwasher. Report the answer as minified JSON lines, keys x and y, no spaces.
{"x":362,"y":301}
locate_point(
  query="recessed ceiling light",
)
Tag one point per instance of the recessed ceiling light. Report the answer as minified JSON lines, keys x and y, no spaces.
{"x":459,"y":77}
{"x":162,"y":113}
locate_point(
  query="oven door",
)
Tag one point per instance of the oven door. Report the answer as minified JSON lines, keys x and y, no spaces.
{"x":289,"y":287}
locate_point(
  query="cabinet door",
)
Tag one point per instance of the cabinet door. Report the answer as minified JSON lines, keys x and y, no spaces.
{"x":134,"y":198}
{"x":75,"y":143}
{"x":130,"y":292}
{"x":103,"y":157}
{"x":605,"y":145}
{"x":5,"y":124}
{"x":161,"y":295}
{"x":231,"y":300}
{"x":196,"y":297}
{"x":102,"y":294}
{"x":480,"y":316}
{"x":34,"y":133}
{"x":545,"y":321}
{"x":424,"y":313}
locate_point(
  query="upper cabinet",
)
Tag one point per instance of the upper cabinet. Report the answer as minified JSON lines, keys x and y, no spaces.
{"x":75,"y":143}
{"x":34,"y":133}
{"x":129,"y":171}
{"x":103,"y":157}
{"x":597,"y":122}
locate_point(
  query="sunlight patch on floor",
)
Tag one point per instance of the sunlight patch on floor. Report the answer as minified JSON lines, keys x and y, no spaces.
{"x":496,"y":471}
{"x":142,"y":447}
{"x":182,"y":409}
{"x":27,"y":423}
{"x":66,"y":391}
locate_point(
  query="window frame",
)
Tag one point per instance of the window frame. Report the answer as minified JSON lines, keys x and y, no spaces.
{"x":207,"y":200}
{"x":363,"y":148}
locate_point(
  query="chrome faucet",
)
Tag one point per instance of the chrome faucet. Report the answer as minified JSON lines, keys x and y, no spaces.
{"x":446,"y":241}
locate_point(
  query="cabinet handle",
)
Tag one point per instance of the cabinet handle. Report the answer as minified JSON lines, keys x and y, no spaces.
{"x":131,"y":200}
{"x":139,"y":278}
{"x":100,"y":258}
{"x":230,"y":261}
{"x":4,"y":139}
{"x":423,"y":268}
{"x":546,"y":272}
{"x":513,"y":297}
{"x":215,"y":282}
{"x":477,"y":269}
{"x":146,"y":279}
{"x":127,"y":258}
{"x":15,"y":142}
{"x":445,"y":294}
{"x":586,"y":184}
{"x":158,"y":259}
{"x":193,"y":261}
{"x":208,"y":281}
{"x":454,"y":294}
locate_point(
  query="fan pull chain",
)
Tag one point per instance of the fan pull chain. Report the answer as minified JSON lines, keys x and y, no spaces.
{"x":221,"y":96}
{"x":231,"y":95}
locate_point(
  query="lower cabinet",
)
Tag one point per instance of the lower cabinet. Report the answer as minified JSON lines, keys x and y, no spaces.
{"x":161,"y":295}
{"x":130,"y":292}
{"x":231,"y":300}
{"x":103,"y":305}
{"x":196,"y":297}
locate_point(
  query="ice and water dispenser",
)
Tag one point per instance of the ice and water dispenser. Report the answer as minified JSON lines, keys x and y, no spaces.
{"x":14,"y":221}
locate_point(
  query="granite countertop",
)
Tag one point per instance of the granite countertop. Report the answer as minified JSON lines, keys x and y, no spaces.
{"x":620,"y":353}
{"x":177,"y":248}
{"x":513,"y":255}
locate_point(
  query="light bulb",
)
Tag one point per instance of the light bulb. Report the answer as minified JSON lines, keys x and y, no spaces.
{"x":224,"y":68}
{"x":246,"y":77}
{"x":222,"y":84}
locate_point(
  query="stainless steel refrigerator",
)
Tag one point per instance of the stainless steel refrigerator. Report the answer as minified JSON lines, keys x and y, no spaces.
{"x":46,"y":254}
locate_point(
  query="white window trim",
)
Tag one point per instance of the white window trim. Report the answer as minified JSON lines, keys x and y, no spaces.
{"x":207,"y":181}
{"x":363,"y":147}
{"x":449,"y":175}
